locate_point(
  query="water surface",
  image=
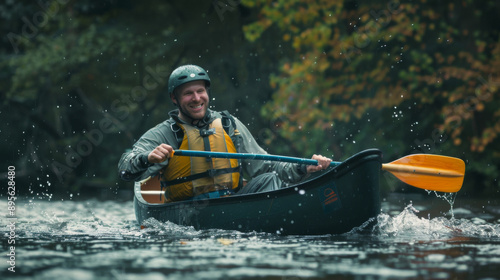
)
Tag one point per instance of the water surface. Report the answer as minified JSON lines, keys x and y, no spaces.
{"x":415,"y":237}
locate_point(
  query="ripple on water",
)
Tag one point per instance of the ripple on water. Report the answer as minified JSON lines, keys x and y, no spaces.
{"x":101,"y":240}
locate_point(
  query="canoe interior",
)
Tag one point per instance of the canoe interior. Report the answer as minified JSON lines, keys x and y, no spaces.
{"x":151,"y":191}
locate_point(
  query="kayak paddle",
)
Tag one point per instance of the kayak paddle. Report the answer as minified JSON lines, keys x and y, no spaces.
{"x":430,"y":172}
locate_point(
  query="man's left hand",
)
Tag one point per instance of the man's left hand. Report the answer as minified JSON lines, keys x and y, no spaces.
{"x":323,"y":163}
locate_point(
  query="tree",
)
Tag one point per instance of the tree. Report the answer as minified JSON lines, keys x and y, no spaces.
{"x":403,"y":70}
{"x":86,"y":79}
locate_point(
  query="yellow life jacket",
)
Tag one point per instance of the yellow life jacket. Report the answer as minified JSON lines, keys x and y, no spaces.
{"x":186,"y":177}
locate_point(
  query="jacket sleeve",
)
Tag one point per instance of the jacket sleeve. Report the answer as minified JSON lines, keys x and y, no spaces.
{"x":288,"y":172}
{"x":134,"y":165}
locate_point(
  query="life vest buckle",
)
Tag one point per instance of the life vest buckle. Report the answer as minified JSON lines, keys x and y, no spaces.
{"x":212,"y":172}
{"x":207,"y":132}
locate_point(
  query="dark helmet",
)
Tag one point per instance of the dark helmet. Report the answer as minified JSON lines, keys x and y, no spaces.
{"x":185,"y":74}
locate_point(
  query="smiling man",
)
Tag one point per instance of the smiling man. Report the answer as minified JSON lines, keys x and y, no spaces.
{"x":193,"y":126}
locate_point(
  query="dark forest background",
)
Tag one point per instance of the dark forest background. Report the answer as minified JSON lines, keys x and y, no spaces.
{"x":82,"y":80}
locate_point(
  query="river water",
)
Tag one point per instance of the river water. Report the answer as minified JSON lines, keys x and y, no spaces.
{"x":415,"y":237}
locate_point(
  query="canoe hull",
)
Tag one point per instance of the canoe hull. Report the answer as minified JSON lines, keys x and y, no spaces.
{"x":334,"y":202}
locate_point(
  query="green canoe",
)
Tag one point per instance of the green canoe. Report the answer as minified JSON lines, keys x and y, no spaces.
{"x":330,"y":202}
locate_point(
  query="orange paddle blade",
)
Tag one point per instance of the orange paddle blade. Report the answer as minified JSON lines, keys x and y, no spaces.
{"x":430,"y":172}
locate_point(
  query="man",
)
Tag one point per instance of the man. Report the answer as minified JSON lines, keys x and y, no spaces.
{"x":194,"y":126}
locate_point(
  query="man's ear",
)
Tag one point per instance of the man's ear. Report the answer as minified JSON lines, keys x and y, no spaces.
{"x":173,"y":99}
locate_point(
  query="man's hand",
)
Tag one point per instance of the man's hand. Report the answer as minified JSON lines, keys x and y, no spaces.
{"x":323,"y":163}
{"x":160,"y":153}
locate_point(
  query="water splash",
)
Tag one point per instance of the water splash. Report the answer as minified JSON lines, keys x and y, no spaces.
{"x":408,"y":224}
{"x":448,"y":197}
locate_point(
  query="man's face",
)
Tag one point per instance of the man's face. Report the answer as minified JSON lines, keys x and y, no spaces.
{"x":193,"y":100}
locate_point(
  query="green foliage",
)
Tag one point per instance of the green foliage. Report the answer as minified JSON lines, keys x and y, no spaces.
{"x":81,"y":80}
{"x":395,"y":64}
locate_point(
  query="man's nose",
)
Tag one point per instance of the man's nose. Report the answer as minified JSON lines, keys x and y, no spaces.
{"x":196,"y":96}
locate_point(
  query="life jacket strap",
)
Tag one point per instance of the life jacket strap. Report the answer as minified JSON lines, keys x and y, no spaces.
{"x":208,"y":173}
{"x":206,"y":143}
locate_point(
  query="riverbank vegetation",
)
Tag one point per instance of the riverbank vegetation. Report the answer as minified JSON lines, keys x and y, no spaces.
{"x":82,"y":80}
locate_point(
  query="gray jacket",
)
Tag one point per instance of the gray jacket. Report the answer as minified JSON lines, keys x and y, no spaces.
{"x":133,"y":164}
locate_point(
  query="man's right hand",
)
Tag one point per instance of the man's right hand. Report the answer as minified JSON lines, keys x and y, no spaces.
{"x":160,"y":153}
